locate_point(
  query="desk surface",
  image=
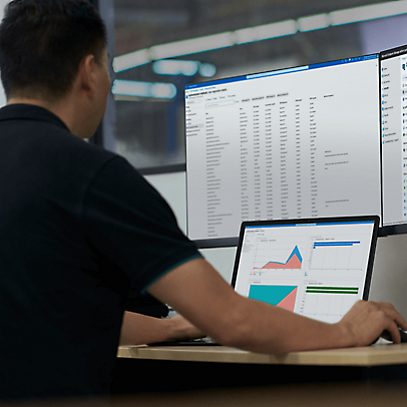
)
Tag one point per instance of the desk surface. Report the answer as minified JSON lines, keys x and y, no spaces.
{"x":378,"y":355}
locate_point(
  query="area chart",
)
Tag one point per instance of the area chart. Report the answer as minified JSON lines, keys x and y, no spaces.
{"x":283,"y":296}
{"x":294,"y":262}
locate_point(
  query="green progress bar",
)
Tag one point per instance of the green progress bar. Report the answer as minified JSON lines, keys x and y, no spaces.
{"x":332,"y":290}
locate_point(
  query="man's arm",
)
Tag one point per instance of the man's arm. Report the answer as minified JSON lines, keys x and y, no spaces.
{"x":203,"y":297}
{"x":140,"y":329}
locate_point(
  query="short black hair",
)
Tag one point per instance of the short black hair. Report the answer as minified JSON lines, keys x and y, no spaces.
{"x":42,"y":43}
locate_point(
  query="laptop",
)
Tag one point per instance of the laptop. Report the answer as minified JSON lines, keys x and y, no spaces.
{"x":316,"y":267}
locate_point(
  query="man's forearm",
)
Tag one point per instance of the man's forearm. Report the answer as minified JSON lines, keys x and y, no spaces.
{"x":266,"y":329}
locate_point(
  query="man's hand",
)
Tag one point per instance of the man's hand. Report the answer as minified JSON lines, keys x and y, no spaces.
{"x":182,"y":329}
{"x":139,"y":329}
{"x":367,"y":320}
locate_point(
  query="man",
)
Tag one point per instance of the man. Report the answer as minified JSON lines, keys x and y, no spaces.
{"x":80,"y":229}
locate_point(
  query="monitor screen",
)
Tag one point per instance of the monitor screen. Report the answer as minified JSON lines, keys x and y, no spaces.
{"x":294,"y":143}
{"x":393,"y":81}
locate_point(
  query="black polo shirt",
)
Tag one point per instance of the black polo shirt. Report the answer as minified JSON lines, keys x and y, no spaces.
{"x":79,"y":227}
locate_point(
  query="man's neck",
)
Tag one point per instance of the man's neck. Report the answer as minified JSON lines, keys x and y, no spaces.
{"x":26,"y":101}
{"x":55,"y":108}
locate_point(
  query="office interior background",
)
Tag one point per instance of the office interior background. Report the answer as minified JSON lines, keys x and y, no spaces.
{"x":159,"y":46}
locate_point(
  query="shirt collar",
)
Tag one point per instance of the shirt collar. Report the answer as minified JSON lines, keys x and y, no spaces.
{"x":30,"y":112}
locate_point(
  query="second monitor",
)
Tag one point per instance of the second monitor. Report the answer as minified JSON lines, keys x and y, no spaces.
{"x":293,"y":143}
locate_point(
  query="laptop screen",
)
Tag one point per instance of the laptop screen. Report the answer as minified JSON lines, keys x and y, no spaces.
{"x":317,"y":267}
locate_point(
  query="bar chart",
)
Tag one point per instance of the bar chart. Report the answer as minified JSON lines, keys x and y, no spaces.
{"x":336,"y":255}
{"x":328,"y":303}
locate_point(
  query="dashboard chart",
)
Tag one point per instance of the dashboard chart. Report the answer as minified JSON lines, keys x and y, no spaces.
{"x":316,"y":272}
{"x":339,"y":255}
{"x":283,"y":296}
{"x":326,"y":303}
{"x":294,"y":262}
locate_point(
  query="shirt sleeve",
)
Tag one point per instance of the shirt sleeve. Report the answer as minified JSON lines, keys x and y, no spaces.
{"x":129,"y":222}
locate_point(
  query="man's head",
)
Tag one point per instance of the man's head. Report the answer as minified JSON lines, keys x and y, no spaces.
{"x":42,"y":43}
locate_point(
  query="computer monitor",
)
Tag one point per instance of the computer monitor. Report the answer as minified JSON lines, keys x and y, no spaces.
{"x":292,"y":143}
{"x":393,"y":94}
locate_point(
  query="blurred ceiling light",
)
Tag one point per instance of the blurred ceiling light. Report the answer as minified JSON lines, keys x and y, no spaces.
{"x":192,"y":46}
{"x":371,"y":12}
{"x":175,"y":67}
{"x":264,"y":32}
{"x":311,"y":23}
{"x":163,"y":90}
{"x":207,"y":70}
{"x":144,"y":89}
{"x":131,"y":60}
{"x":187,"y":68}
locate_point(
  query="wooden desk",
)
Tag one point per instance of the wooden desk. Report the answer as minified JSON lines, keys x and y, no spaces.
{"x":209,"y":367}
{"x":377,"y":355}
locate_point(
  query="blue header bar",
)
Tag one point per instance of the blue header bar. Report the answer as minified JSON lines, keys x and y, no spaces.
{"x":281,"y":72}
{"x":296,"y":225}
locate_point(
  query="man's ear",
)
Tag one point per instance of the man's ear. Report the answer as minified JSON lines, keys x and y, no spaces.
{"x":86,"y":80}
